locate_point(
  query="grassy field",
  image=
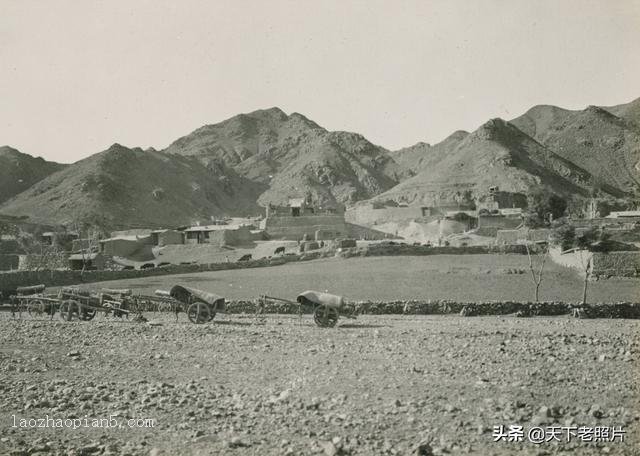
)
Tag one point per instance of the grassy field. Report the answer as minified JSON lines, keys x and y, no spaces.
{"x":454,"y":277}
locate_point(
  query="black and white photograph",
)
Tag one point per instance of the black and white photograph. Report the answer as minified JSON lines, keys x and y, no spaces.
{"x":330,"y":227}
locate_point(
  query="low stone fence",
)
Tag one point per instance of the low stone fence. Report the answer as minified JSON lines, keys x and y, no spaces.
{"x":443,"y":307}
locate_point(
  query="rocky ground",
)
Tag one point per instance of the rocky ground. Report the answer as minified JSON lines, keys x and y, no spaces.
{"x":376,"y":385}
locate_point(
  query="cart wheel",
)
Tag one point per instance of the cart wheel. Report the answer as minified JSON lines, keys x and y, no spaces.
{"x":87,"y":313}
{"x":69,"y":310}
{"x":36,"y":308}
{"x":199,"y":312}
{"x":164,"y":307}
{"x":325,"y":317}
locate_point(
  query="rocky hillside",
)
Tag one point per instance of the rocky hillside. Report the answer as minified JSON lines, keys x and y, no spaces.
{"x":236,"y":166}
{"x":496,"y":154}
{"x":132,"y":187}
{"x":627,"y":111}
{"x":422,"y":155}
{"x":20,"y":171}
{"x":605,"y":142}
{"x":293,"y":156}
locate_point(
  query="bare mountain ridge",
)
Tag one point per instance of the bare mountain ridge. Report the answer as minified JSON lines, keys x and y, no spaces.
{"x":628,"y":111}
{"x":422,"y":155}
{"x":605,"y":145}
{"x":232,"y":167}
{"x":294,"y":157}
{"x":496,"y":154}
{"x":20,"y":171}
{"x":125,"y":187}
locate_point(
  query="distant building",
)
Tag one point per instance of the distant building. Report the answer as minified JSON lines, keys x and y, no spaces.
{"x":220,"y":234}
{"x":624,"y":214}
{"x":91,"y":261}
{"x":300,"y":219}
{"x":167,"y":237}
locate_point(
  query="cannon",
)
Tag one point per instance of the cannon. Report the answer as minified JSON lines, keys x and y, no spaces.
{"x":327,"y":307}
{"x":201,"y":306}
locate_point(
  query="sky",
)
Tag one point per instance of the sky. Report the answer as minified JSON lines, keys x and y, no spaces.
{"x":78,"y":76}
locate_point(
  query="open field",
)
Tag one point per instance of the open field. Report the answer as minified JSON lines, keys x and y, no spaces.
{"x":379,"y":385}
{"x":454,"y":277}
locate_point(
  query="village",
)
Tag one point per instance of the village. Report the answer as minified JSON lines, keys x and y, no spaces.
{"x":293,"y":229}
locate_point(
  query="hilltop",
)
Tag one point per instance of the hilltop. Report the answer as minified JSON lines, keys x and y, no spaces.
{"x":19,"y":171}
{"x":596,"y":139}
{"x":125,"y":187}
{"x":293,"y":157}
{"x":496,"y":154}
{"x":240,"y":164}
{"x":422,"y":155}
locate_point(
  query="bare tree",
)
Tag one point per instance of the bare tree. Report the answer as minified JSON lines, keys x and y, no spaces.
{"x":89,"y":235}
{"x":541,"y":252}
{"x":592,"y":240}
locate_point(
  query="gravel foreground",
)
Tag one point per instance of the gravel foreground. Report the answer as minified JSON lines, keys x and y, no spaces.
{"x":385,"y":384}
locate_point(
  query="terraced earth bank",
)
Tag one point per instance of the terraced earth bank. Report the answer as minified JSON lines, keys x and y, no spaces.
{"x":386,"y":384}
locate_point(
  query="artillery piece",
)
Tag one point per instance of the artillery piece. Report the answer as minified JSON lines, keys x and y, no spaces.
{"x":327,"y":308}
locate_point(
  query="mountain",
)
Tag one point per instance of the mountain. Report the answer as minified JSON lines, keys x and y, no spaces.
{"x":628,"y":111}
{"x":423,"y":155}
{"x":132,"y":187}
{"x":20,"y":171}
{"x":235,"y":166}
{"x":496,"y":154}
{"x":293,"y":156}
{"x":603,"y":141}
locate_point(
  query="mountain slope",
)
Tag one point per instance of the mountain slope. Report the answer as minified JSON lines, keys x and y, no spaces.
{"x":294,"y":157}
{"x":20,"y":171}
{"x":496,"y":154}
{"x":423,"y":155}
{"x":602,"y":143}
{"x":132,"y":187}
{"x":628,"y":111}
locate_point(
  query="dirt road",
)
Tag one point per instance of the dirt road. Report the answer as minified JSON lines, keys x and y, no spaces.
{"x":379,"y":385}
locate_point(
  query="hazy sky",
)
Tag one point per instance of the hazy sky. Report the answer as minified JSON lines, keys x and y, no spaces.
{"x":77,"y":76}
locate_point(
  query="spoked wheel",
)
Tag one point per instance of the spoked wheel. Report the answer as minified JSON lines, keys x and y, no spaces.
{"x":325,"y":317}
{"x":87,"y":313}
{"x":164,"y":307}
{"x":69,"y":310}
{"x":199,"y":312}
{"x":36,"y":308}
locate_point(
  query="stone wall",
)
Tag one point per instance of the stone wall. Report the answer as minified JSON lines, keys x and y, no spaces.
{"x":368,"y":215}
{"x":443,"y":307}
{"x":294,"y":228}
{"x":498,"y":222}
{"x":615,"y":264}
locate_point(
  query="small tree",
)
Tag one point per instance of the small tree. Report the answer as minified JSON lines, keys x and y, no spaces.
{"x":89,"y":234}
{"x":541,"y":252}
{"x":594,"y":239}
